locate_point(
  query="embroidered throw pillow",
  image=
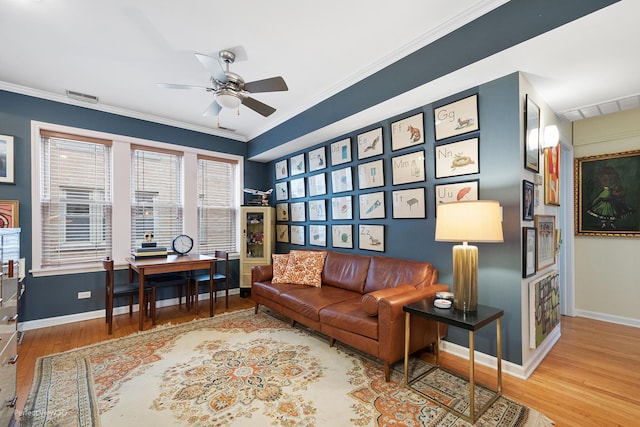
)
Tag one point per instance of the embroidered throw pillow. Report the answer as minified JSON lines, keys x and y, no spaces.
{"x":280,"y":262}
{"x":305,"y":268}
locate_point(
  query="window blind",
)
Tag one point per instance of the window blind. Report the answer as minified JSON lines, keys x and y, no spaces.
{"x":156,"y":195}
{"x":217,"y":212}
{"x":75,"y":199}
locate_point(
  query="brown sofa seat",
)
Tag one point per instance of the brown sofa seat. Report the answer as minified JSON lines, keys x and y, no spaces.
{"x":308,"y":302}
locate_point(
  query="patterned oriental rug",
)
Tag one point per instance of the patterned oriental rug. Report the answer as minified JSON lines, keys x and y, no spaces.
{"x":236,"y":369}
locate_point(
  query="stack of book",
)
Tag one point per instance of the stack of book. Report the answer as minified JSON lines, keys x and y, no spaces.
{"x":150,"y":252}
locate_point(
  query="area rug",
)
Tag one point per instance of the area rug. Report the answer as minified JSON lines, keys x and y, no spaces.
{"x":234,"y":369}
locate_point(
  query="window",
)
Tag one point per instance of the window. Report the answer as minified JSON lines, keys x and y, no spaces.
{"x":217,"y":205}
{"x":156,"y":195}
{"x":75,"y":199}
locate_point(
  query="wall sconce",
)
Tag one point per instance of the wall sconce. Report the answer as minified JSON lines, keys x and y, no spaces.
{"x":551,"y":136}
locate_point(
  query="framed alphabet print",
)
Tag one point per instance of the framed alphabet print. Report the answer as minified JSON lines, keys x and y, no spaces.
{"x":456,"y":118}
{"x":529,"y":240}
{"x":282,"y":211}
{"x":528,"y":200}
{"x":370,"y":143}
{"x":342,"y":236}
{"x":457,"y":158}
{"x":6,"y":160}
{"x":546,"y":243}
{"x":282,"y":190}
{"x":317,"y":159}
{"x":552,"y":175}
{"x":342,"y":208}
{"x":531,"y":135}
{"x":297,"y":164}
{"x":341,"y":180}
{"x":9,"y":214}
{"x":341,"y":152}
{"x":371,"y":205}
{"x":318,"y":235}
{"x":317,"y":185}
{"x":297,"y":234}
{"x":371,"y":237}
{"x":456,"y":192}
{"x":407,"y":132}
{"x":282,"y":171}
{"x":370,"y":175}
{"x":282,"y":233}
{"x":607,"y":194}
{"x":408,"y":168}
{"x":317,"y":210}
{"x":297,"y":188}
{"x":409,"y":203}
{"x":298,"y":212}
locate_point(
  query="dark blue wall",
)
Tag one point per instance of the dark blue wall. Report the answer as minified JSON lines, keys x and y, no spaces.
{"x":499,"y":179}
{"x":53,"y":296}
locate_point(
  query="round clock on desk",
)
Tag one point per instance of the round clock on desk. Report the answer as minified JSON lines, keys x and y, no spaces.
{"x":182,"y":244}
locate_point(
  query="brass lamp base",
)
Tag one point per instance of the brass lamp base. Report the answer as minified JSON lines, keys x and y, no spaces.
{"x":465,"y":277}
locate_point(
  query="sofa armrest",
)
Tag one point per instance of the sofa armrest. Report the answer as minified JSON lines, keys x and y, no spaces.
{"x":261,"y":273}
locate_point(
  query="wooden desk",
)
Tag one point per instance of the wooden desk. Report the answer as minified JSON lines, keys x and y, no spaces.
{"x":170,"y":264}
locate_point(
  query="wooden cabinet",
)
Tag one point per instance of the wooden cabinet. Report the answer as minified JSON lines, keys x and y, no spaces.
{"x":9,"y":293}
{"x":257,"y":243}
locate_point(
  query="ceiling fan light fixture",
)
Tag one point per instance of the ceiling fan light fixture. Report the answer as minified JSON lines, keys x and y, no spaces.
{"x":228,"y":99}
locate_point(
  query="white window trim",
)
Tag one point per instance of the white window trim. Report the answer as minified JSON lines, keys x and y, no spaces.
{"x":121,"y":228}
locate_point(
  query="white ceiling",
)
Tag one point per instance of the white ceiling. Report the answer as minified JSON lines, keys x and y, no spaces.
{"x":119,"y":50}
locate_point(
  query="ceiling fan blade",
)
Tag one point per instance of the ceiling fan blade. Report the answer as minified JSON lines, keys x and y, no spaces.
{"x":274,"y":84}
{"x":213,"y":66}
{"x":179,"y":86}
{"x":213,"y":109}
{"x":258,"y":106}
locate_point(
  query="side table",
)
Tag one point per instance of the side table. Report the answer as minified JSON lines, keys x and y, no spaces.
{"x":471,"y":321}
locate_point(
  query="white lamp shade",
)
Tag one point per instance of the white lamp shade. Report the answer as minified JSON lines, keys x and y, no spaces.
{"x":551,"y":136}
{"x":228,"y":99}
{"x":471,"y":221}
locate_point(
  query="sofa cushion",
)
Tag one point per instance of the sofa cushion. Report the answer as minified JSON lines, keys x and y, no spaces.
{"x":347,"y":271}
{"x":349,"y":315}
{"x":370,"y":300}
{"x":305,"y":268}
{"x":280,"y":262}
{"x":391,"y":272}
{"x":308,"y":301}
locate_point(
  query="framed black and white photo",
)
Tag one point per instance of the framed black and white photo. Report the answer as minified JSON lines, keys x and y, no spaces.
{"x":371,"y":205}
{"x":532,"y":135}
{"x":318,"y":235}
{"x":282,"y":190}
{"x":407,"y":132}
{"x":282,"y":171}
{"x":370,"y":143}
{"x":456,"y":192}
{"x":528,"y":200}
{"x":317,"y":159}
{"x":408,"y":168}
{"x":282,"y":211}
{"x":7,"y":160}
{"x":341,"y":180}
{"x":297,"y":188}
{"x":409,"y":203}
{"x":342,"y":207}
{"x":457,"y":158}
{"x":297,"y":234}
{"x":341,"y":152}
{"x":298,"y":212}
{"x":371,"y":175}
{"x":342,"y":236}
{"x":282,"y":233}
{"x":317,"y":210}
{"x":317,"y":185}
{"x":297,"y":164}
{"x":456,"y":118}
{"x":528,"y":251}
{"x":371,"y":237}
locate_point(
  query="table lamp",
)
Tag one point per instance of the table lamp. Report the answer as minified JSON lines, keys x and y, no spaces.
{"x":471,"y":221}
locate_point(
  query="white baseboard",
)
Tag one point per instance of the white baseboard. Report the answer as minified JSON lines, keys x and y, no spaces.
{"x":609,"y":318}
{"x":90,"y":315}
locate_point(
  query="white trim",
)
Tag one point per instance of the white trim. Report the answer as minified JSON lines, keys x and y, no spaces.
{"x":98,"y":314}
{"x":611,"y":318}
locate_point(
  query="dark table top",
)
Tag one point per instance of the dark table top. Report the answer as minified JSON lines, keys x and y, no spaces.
{"x":470,"y":320}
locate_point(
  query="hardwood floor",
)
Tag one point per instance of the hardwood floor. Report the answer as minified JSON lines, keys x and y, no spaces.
{"x":590,"y":378}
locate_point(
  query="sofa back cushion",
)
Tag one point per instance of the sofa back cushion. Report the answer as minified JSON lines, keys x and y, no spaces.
{"x":391,"y":272}
{"x":347,"y":271}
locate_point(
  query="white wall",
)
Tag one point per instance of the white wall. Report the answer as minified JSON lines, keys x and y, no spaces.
{"x":607,"y":283}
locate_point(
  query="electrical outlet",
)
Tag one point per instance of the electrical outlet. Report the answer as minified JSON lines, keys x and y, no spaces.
{"x":84,"y":295}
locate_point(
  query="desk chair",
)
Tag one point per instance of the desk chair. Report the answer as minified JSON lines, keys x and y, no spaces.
{"x":167,"y":280}
{"x":222,"y":257}
{"x":113,"y":290}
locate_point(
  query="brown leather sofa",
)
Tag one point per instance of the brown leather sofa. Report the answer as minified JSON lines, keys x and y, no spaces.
{"x":359,"y":302}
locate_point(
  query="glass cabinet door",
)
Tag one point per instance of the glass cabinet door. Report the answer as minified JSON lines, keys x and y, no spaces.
{"x":255,"y":234}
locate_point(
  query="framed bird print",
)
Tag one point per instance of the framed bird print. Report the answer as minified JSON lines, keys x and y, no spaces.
{"x":370,"y":143}
{"x":371,"y":237}
{"x":457,"y":158}
{"x":407,"y":132}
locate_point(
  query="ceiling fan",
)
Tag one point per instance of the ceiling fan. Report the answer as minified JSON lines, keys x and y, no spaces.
{"x":229,"y":89}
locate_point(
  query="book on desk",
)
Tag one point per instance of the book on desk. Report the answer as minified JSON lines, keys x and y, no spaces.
{"x":150,"y":252}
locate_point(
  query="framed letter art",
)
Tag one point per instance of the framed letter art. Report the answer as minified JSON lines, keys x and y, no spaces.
{"x":408,"y":168}
{"x":370,"y":143}
{"x":371,"y":175}
{"x":317,"y":210}
{"x":342,"y":236}
{"x":297,"y":164}
{"x":298,"y":212}
{"x":341,"y":180}
{"x":457,"y":158}
{"x":282,"y":211}
{"x":341,"y":152}
{"x":282,"y":190}
{"x":297,"y":234}
{"x":409,"y":203}
{"x":318,"y":235}
{"x":531,"y":135}
{"x":297,"y":188}
{"x":372,"y":205}
{"x":317,"y":185}
{"x":342,"y":208}
{"x":456,"y":118}
{"x":282,"y":233}
{"x":456,"y":192}
{"x":317,"y":159}
{"x":282,"y":171}
{"x":371,"y":237}
{"x":407,"y":132}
